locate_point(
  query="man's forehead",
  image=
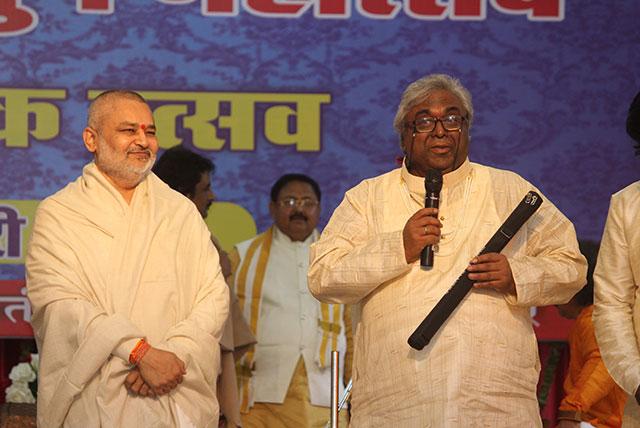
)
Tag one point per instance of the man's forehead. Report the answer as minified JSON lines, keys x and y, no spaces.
{"x":438,"y":100}
{"x":294,"y":188}
{"x":129,"y":111}
{"x":110,"y":102}
{"x":134,"y":124}
{"x":430,"y":112}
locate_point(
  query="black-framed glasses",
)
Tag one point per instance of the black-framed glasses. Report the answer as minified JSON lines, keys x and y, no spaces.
{"x":304,"y":203}
{"x":451,"y":122}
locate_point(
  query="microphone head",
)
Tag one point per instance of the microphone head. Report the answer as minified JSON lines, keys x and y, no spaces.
{"x":433,"y":181}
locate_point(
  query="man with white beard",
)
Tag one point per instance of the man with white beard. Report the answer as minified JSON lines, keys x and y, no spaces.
{"x":128,"y":297}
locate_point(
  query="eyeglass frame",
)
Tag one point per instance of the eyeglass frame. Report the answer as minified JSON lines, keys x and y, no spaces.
{"x":435,"y":125}
{"x":302,"y":203}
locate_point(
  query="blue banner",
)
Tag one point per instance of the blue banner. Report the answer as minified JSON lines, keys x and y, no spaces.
{"x":263,"y":87}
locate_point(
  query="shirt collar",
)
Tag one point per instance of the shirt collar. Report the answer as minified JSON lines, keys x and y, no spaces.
{"x":281,"y":236}
{"x":415,"y":184}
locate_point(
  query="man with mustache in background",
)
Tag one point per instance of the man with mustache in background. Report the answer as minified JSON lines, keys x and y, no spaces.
{"x":128,"y":297}
{"x":284,"y":381}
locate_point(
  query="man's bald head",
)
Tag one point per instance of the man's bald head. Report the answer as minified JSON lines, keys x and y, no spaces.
{"x":121,"y":134}
{"x":104,"y":102}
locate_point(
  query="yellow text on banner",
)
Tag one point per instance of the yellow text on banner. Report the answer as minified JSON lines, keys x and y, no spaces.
{"x":19,"y":105}
{"x":228,"y":119}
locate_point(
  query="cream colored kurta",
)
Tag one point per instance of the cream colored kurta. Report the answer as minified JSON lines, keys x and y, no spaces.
{"x":101,"y":274}
{"x":481,"y":369}
{"x":616,"y":315}
{"x":287,"y":325}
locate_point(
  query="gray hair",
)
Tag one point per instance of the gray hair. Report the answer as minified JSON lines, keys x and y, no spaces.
{"x":417,"y":91}
{"x":99,"y":105}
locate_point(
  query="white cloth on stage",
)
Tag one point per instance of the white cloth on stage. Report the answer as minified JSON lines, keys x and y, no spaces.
{"x":102,"y":273}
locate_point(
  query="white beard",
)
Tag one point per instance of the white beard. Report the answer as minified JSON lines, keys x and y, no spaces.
{"x":117,"y":166}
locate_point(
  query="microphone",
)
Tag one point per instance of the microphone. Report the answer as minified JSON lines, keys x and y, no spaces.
{"x":454,"y":296}
{"x":432,"y":187}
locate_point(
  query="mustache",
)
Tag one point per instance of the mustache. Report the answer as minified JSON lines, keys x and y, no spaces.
{"x":139,"y":149}
{"x":298,"y":216}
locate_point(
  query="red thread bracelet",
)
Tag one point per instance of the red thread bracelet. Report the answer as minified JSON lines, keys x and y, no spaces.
{"x":138,"y":351}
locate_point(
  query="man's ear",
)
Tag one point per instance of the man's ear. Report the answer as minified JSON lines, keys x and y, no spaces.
{"x":90,"y":138}
{"x":403,"y":146}
{"x":272,"y":209}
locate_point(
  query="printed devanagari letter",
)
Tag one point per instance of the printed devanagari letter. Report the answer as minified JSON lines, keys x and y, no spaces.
{"x":16,"y":107}
{"x":11,"y":225}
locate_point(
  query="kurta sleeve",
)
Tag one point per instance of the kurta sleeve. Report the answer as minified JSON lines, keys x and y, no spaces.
{"x":615,"y":295}
{"x":552,"y":269}
{"x":349,"y":260}
{"x":197,"y":336}
{"x":76,"y":335}
{"x":55,"y":284}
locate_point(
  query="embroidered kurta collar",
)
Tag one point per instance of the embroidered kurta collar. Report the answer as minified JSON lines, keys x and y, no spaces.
{"x":415,"y":184}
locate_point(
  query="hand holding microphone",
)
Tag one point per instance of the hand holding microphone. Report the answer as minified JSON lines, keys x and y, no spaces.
{"x":422,"y":229}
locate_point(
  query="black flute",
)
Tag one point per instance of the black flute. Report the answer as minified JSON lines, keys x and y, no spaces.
{"x":452,"y":298}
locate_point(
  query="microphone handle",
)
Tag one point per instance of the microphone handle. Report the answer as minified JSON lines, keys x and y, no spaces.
{"x":432,"y":200}
{"x":454,"y":296}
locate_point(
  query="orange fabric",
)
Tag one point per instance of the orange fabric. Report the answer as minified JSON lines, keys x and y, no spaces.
{"x":589,"y":388}
{"x":138,"y":352}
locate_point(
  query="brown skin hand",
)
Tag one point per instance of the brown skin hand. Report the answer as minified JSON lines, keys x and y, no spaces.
{"x":161,"y":370}
{"x":492,"y":270}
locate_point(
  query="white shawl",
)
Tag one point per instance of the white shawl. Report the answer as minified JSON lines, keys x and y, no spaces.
{"x":102,"y":273}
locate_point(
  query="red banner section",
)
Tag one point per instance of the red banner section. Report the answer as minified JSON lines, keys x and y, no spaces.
{"x":16,"y":19}
{"x":15,"y":310}
{"x":549,"y":325}
{"x":15,"y":315}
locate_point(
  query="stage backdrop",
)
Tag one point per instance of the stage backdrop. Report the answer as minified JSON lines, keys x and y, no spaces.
{"x":264,"y":87}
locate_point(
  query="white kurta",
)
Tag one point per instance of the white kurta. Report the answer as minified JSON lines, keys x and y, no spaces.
{"x":481,"y":369}
{"x":102,"y":273}
{"x":616,"y":315}
{"x":287,"y":327}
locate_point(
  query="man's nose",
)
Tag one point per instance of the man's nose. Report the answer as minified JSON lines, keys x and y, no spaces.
{"x":141,"y":137}
{"x":439,"y":130}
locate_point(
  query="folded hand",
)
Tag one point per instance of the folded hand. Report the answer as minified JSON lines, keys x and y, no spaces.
{"x":161,"y":370}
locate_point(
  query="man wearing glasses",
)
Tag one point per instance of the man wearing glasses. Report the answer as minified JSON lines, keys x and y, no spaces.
{"x":284,"y":381}
{"x":481,"y":369}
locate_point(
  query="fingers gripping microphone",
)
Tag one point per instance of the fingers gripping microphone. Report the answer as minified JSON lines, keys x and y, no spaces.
{"x":432,"y":186}
{"x":454,"y":296}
